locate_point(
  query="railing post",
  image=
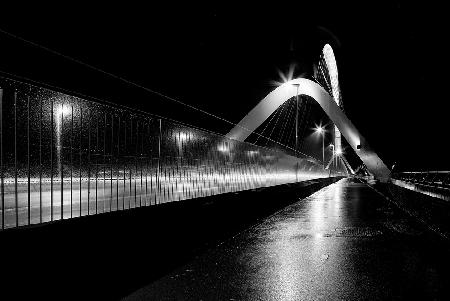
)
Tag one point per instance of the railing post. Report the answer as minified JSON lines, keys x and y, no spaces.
{"x":81,"y":157}
{"x":104,"y":164}
{"x":1,"y":160}
{"x":28,"y":160}
{"x":40,"y":160}
{"x":71,"y":162}
{"x":158,"y":175}
{"x":60,"y":157}
{"x":118,"y":163}
{"x":51,"y":160}
{"x":16,"y":196}
{"x":89,"y":163}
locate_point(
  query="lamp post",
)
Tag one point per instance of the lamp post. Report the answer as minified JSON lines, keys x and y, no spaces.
{"x":332,"y":145}
{"x":338,"y":153}
{"x":321,"y":131}
{"x":296,"y":119}
{"x":333,"y":152}
{"x":296,"y":130}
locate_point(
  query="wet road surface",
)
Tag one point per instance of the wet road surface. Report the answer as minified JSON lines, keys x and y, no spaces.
{"x":345,"y":242}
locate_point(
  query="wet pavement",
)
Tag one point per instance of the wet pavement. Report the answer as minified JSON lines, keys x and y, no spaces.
{"x":344,"y":242}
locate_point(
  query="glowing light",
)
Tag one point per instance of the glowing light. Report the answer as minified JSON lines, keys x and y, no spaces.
{"x":285,"y":78}
{"x":223,"y":148}
{"x":319,"y":130}
{"x":252,"y":153}
{"x":339,"y":152}
{"x":63,"y":110}
{"x":183,"y":136}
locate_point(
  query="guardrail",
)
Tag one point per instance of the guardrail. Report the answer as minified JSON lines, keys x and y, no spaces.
{"x":63,"y":157}
{"x":433,"y":183}
{"x":432,"y":178}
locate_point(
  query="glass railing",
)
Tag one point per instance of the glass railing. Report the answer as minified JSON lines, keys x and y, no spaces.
{"x":64,"y":157}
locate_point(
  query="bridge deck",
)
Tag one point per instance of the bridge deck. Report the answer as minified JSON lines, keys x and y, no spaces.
{"x":345,"y":242}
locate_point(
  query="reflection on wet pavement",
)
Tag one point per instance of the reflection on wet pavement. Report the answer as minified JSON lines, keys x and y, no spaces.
{"x":345,"y":242}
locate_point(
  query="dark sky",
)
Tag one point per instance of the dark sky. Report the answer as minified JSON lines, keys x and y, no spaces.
{"x":391,"y":59}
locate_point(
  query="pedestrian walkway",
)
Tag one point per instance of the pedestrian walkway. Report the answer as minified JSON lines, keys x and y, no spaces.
{"x":344,"y":242}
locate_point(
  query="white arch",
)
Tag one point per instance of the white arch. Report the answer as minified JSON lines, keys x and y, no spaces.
{"x":330,"y":61}
{"x":307,"y":87}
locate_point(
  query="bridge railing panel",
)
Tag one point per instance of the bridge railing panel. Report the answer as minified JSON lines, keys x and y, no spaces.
{"x":64,"y":157}
{"x":433,"y":183}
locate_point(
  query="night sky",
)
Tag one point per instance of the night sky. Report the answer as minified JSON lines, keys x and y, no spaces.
{"x":391,"y":57}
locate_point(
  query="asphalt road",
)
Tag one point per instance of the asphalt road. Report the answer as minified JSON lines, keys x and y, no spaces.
{"x":345,"y":242}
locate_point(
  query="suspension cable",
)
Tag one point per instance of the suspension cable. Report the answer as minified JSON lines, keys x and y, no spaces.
{"x":120,"y":78}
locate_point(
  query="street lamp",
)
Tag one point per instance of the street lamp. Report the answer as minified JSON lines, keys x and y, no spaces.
{"x":321,"y":131}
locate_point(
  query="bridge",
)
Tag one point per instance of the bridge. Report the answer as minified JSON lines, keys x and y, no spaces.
{"x":309,"y":227}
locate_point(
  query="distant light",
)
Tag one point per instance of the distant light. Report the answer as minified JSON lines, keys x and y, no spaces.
{"x":252,"y":153}
{"x":286,"y":79}
{"x":182,"y":136}
{"x":338,"y":152}
{"x":223,"y":148}
{"x":63,"y":110}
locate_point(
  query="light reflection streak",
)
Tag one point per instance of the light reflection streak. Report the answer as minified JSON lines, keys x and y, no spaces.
{"x":297,"y":244}
{"x":182,"y":186}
